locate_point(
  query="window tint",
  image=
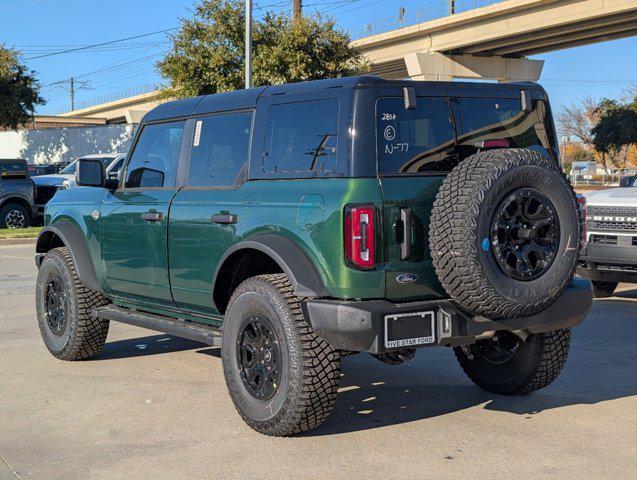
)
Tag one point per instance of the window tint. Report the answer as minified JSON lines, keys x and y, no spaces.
{"x":483,"y":119}
{"x":413,"y":140}
{"x":425,"y":139}
{"x":154,"y":160}
{"x":302,"y":137}
{"x":219,"y":149}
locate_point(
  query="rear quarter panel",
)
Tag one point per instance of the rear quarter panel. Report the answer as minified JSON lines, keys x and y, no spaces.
{"x":309,"y":212}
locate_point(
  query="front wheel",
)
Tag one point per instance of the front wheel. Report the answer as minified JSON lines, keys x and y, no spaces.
{"x":507,"y":365}
{"x":281,"y":377}
{"x":14,"y":215}
{"x":604,"y":289}
{"x":64,"y":308}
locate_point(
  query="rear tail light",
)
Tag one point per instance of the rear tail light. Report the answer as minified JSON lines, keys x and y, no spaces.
{"x":581,"y":201}
{"x":496,"y":143}
{"x":360,"y":242}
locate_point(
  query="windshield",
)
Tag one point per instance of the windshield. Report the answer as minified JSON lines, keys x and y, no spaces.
{"x":69,"y":169}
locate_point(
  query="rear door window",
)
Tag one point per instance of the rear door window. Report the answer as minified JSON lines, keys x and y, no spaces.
{"x":153,"y":163}
{"x":220,"y":150}
{"x":302,"y":137}
{"x":414,"y":140}
{"x":13,"y":170}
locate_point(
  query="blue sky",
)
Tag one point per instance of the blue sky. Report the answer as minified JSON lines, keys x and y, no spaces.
{"x":38,"y":27}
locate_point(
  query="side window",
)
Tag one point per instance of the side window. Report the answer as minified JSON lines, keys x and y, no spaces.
{"x":154,"y":161}
{"x":219,"y":149}
{"x":414,"y":140}
{"x":302,"y":137}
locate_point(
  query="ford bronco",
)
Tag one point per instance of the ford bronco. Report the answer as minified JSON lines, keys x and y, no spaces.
{"x":294,"y":224}
{"x":609,"y":254}
{"x":16,"y":194}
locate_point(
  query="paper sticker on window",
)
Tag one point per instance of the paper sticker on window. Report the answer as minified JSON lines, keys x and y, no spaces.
{"x":195,"y":143}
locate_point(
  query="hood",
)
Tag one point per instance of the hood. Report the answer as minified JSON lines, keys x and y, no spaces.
{"x":54,"y":180}
{"x":613,"y":197}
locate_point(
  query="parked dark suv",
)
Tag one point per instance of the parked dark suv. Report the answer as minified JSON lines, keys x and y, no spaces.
{"x":295,"y":224}
{"x":16,"y":194}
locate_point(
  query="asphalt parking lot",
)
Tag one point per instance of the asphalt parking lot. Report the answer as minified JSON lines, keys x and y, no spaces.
{"x":154,"y":406}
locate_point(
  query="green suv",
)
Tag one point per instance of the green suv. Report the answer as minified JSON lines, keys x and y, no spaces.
{"x":294,"y":224}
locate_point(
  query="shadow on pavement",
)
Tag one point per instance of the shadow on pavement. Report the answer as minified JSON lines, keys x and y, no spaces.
{"x":143,"y":346}
{"x":626,"y":294}
{"x":601,"y":367}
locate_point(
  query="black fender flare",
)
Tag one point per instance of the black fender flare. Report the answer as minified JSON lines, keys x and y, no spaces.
{"x":75,"y":241}
{"x":304,"y":277}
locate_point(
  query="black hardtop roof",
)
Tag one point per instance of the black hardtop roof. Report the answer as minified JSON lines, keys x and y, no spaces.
{"x":246,"y":99}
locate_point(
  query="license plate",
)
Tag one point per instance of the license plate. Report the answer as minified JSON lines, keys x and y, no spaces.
{"x":409,"y":329}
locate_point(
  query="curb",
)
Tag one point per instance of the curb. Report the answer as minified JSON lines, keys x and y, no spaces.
{"x":18,"y":241}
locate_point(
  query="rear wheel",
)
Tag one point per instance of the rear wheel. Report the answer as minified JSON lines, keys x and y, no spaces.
{"x":64,"y":308}
{"x":281,"y":377}
{"x":604,"y":289}
{"x":14,"y":215}
{"x":507,"y":365}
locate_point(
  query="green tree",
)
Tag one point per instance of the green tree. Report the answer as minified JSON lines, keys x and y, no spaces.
{"x":19,"y":90}
{"x":616,"y":130}
{"x":207,"y":54}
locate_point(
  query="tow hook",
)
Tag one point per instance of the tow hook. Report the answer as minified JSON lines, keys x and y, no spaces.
{"x":397,"y":357}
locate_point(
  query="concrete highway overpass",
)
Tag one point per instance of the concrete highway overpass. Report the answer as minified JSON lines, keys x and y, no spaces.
{"x":494,"y":41}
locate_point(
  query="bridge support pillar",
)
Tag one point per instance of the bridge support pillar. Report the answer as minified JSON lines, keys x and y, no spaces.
{"x":440,"y":67}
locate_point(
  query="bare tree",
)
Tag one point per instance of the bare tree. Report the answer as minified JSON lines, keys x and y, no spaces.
{"x":577,"y":120}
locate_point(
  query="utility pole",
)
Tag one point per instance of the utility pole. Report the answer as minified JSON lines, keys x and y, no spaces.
{"x":297,"y":9}
{"x":248,"y":42}
{"x":72,"y":92}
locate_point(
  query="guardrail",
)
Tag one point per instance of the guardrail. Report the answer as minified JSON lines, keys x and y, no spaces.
{"x":111,"y":97}
{"x":409,"y":18}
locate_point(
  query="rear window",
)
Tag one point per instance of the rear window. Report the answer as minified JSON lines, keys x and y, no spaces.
{"x":302,"y":137}
{"x":414,"y":139}
{"x":13,"y":170}
{"x":441,"y":132}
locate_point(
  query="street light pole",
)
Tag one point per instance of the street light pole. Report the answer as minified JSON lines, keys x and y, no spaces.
{"x":248,"y":42}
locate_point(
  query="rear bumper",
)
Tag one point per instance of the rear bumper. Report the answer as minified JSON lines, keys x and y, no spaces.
{"x":608,"y":263}
{"x":359,"y":325}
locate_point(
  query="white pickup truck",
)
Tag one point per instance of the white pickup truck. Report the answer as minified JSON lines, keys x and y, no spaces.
{"x":609,"y":254}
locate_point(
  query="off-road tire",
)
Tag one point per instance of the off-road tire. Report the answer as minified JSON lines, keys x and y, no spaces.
{"x":7,"y":209}
{"x":83,"y":335}
{"x":604,"y":289}
{"x":538,"y":361}
{"x":310,"y":367}
{"x":461,"y":224}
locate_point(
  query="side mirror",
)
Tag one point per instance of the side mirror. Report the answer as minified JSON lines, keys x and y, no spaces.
{"x":626,"y":181}
{"x":90,"y":173}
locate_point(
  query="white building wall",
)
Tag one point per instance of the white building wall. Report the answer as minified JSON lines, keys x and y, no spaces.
{"x":53,"y":145}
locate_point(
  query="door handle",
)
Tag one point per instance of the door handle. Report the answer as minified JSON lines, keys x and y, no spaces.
{"x":224,"y":218}
{"x":405,"y":246}
{"x":152,"y":216}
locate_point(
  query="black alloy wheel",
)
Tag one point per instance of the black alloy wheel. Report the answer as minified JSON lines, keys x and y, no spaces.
{"x":56,"y":305}
{"x":259,"y":357}
{"x":525,"y":234}
{"x":500,"y":348}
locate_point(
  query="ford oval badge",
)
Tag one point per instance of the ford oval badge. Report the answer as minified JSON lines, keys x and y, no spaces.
{"x":407,"y":278}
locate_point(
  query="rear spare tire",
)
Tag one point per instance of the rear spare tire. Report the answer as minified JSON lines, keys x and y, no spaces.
{"x":504,"y":233}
